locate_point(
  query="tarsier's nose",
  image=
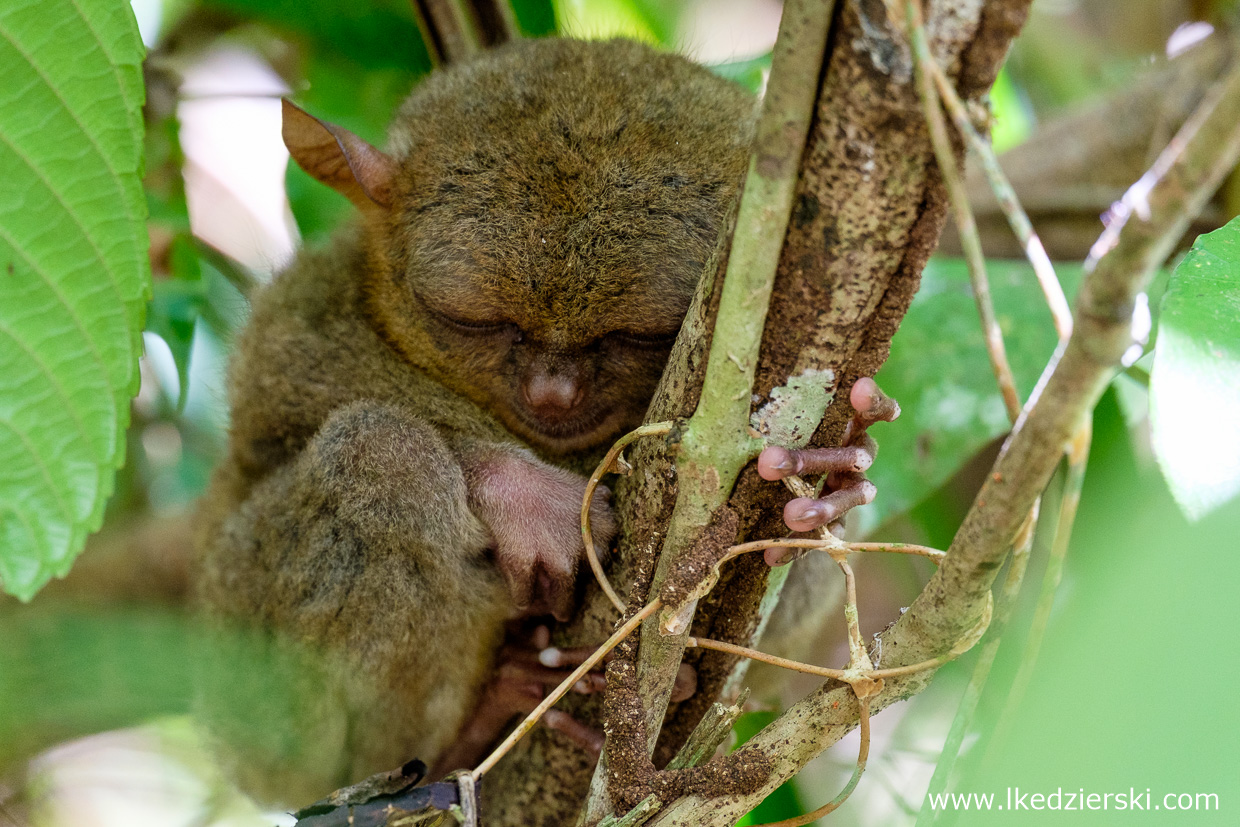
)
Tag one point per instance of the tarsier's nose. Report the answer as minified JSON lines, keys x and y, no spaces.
{"x":552,"y":394}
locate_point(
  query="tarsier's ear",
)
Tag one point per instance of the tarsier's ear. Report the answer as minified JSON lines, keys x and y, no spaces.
{"x":338,"y":158}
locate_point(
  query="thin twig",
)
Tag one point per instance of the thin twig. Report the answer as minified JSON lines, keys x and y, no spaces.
{"x":605,"y":467}
{"x":510,"y":28}
{"x":710,"y":457}
{"x":850,"y":674}
{"x":1078,"y":455}
{"x":1061,"y":315}
{"x":970,"y":241}
{"x":1150,"y":220}
{"x":965,"y":712}
{"x":964,"y":644}
{"x":233,"y":271}
{"x":764,"y":657}
{"x":900,"y":548}
{"x":577,"y":674}
{"x":448,"y":27}
{"x":1005,"y":195}
{"x":832,"y":543}
{"x":858,"y":657}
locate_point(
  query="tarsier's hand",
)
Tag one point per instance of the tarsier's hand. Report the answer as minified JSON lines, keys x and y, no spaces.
{"x":533,"y":511}
{"x":845,"y":467}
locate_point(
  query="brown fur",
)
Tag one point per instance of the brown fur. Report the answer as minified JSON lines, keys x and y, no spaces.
{"x":552,"y":208}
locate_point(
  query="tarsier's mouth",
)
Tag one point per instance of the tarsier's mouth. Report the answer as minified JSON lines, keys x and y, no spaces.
{"x":582,"y":431}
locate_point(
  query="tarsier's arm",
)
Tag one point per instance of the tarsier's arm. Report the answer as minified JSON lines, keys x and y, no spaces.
{"x":398,"y":556}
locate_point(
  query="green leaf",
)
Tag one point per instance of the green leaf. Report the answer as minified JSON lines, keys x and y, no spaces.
{"x":74,"y":275}
{"x":1013,"y":119}
{"x":1195,"y":383}
{"x":941,"y":375}
{"x":602,"y":19}
{"x":535,"y":17}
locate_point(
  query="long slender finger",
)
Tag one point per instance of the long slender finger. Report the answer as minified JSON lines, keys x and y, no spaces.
{"x":844,"y":479}
{"x":780,"y":556}
{"x":537,"y":674}
{"x":805,"y":514}
{"x":685,"y":686}
{"x":583,"y":736}
{"x":558,"y":658}
{"x":540,"y":638}
{"x":783,"y":555}
{"x":870,"y":403}
{"x":775,"y":462}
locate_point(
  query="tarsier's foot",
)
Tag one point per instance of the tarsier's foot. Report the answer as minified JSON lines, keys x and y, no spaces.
{"x":567,"y":659}
{"x":519,"y":683}
{"x":527,"y":669}
{"x":552,"y":666}
{"x":847,"y":486}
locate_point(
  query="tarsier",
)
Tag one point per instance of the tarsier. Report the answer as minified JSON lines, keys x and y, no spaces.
{"x":412,"y":406}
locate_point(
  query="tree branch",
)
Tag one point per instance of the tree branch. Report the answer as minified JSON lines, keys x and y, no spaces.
{"x":869,"y":208}
{"x":1155,"y":212}
{"x":456,"y":30}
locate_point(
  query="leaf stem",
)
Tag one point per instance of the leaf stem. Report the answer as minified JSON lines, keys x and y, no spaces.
{"x":1017,"y":218}
{"x":1078,"y":455}
{"x":970,"y":240}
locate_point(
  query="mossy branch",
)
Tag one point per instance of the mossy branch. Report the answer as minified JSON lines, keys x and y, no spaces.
{"x":714,"y":445}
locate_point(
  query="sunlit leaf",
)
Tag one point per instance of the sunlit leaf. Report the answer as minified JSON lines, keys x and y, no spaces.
{"x":73,"y":272}
{"x":602,"y":19}
{"x":1195,"y":383}
{"x":1013,"y":120}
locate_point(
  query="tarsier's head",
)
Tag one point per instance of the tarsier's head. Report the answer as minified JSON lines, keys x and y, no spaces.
{"x":540,"y":222}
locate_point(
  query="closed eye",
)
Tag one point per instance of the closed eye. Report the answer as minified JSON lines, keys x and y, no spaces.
{"x":471,"y":327}
{"x":648,"y":340}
